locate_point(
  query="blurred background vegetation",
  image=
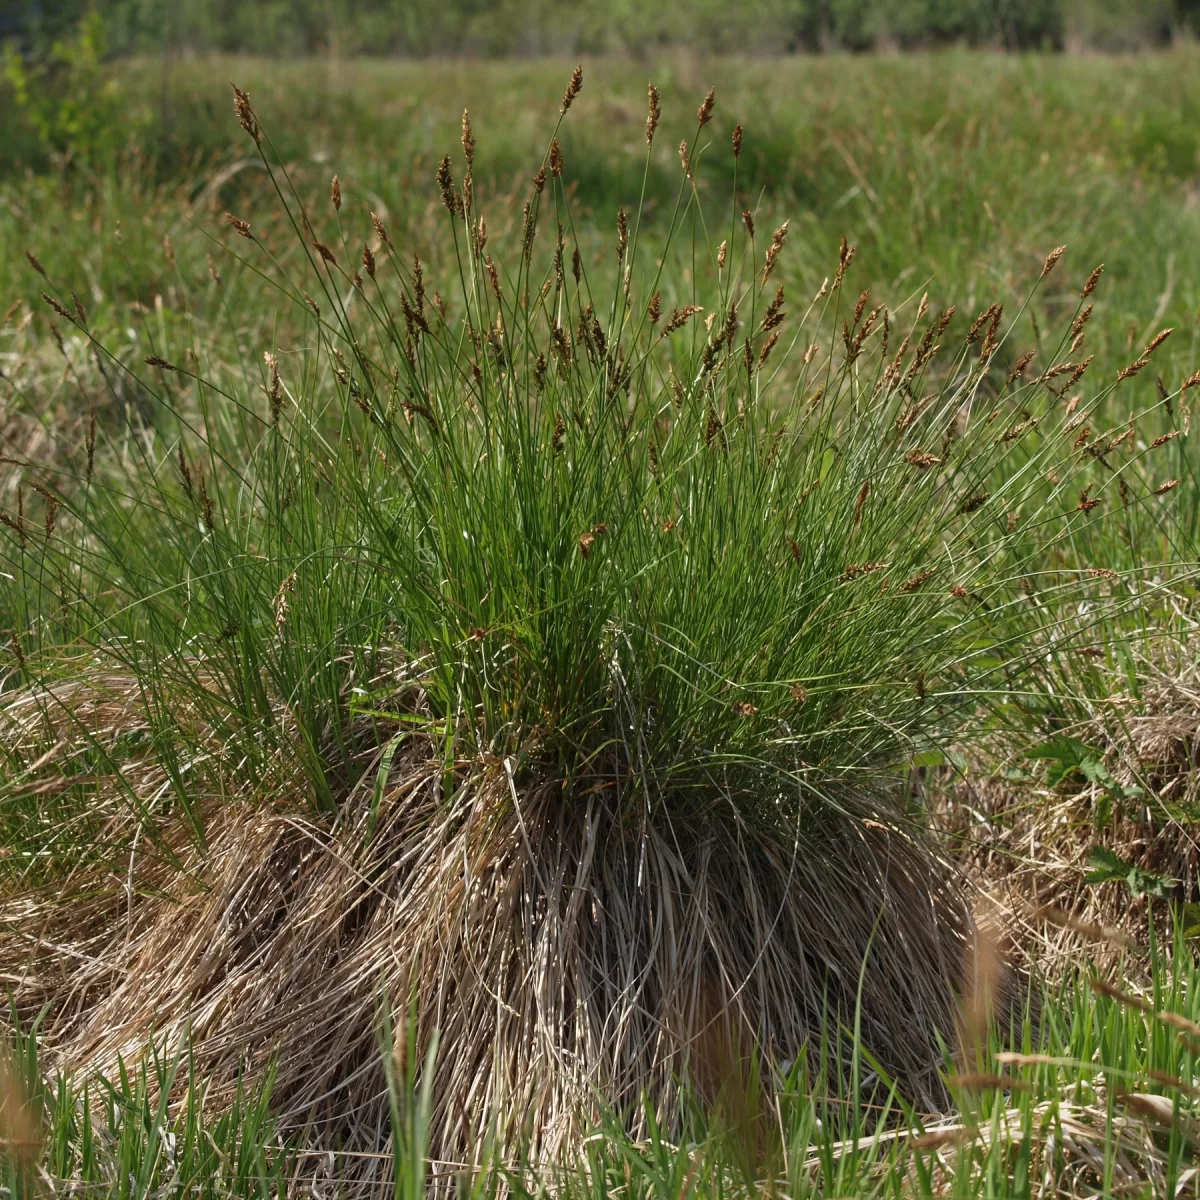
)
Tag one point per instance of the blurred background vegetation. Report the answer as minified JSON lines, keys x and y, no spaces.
{"x":526,"y":27}
{"x":85,"y":81}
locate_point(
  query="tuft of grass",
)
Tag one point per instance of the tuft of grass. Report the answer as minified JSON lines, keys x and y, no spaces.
{"x":555,"y":623}
{"x":655,"y":573}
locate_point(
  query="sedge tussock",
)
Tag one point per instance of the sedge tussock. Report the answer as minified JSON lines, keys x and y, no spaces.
{"x":554,"y":662}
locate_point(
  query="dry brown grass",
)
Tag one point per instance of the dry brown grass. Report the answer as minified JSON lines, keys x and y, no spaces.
{"x":1028,"y":845}
{"x":563,"y":956}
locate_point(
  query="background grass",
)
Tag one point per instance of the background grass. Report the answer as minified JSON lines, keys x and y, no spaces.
{"x":542,"y":26}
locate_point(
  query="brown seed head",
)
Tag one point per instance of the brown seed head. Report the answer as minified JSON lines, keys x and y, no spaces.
{"x":845,"y":258}
{"x":777,"y":240}
{"x":59,"y":308}
{"x":1156,"y":341}
{"x":748,"y":221}
{"x":185,"y":475}
{"x":539,"y":180}
{"x":679,"y":318}
{"x":774,"y":314}
{"x":51,"y":508}
{"x":1052,"y":260}
{"x":36,"y":265}
{"x":712,"y":427}
{"x":974,"y":503}
{"x":737,"y":142}
{"x":978,"y":324}
{"x":573,"y":89}
{"x":1134,"y":367}
{"x":862,"y":303}
{"x":494,"y":277}
{"x":653,"y":114}
{"x":80,"y":315}
{"x":1163,"y":488}
{"x":745,"y":709}
{"x":705,"y":111}
{"x":684,"y":160}
{"x":17,"y":523}
{"x":325,"y":253}
{"x":586,"y":541}
{"x":445,"y":183}
{"x":1128,"y":436}
{"x":959,"y":592}
{"x":921,"y":459}
{"x":274,"y":386}
{"x":1020,"y":365}
{"x":729,"y":332}
{"x":280,"y":604}
{"x":381,"y":233}
{"x":245,"y":114}
{"x":1076,"y":373}
{"x":863,"y":493}
{"x":654,"y":308}
{"x":1090,"y":286}
{"x":722,"y":251}
{"x":854,"y":570}
{"x":468,"y":140}
{"x":242,"y":227}
{"x":918,"y":580}
{"x":622,"y":232}
{"x":1080,"y":321}
{"x":335,"y":193}
{"x":767,"y":347}
{"x":990,"y":341}
{"x":368,"y":260}
{"x":556,"y":158}
{"x":153,"y":360}
{"x":206,"y":507}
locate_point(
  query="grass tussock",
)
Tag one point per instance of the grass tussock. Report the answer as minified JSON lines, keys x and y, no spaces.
{"x":541,"y":638}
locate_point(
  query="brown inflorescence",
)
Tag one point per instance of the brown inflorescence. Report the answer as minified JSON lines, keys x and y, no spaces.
{"x":574,"y":87}
{"x":245,"y":114}
{"x":653,"y":113}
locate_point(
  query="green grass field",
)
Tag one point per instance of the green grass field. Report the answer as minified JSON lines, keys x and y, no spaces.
{"x":637,"y":632}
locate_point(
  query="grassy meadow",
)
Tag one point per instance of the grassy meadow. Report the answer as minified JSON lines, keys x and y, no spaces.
{"x":635,"y":644}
